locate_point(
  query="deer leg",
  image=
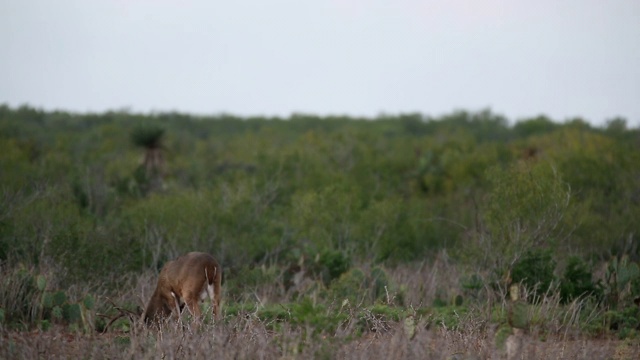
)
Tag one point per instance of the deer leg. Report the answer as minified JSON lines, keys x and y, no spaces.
{"x":213,"y":289}
{"x":193,"y":307}
{"x":212,"y":298}
{"x":216,"y":289}
{"x":177,"y":304}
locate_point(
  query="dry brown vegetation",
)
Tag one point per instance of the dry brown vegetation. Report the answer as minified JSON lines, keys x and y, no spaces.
{"x":473,"y":330}
{"x":248,"y":338}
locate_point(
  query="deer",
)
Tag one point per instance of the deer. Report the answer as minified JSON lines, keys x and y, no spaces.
{"x":184,"y":282}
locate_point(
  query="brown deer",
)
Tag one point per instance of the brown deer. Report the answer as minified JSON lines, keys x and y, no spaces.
{"x":185,"y":281}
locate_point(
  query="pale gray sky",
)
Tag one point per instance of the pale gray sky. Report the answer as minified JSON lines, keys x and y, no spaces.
{"x":562,"y":58}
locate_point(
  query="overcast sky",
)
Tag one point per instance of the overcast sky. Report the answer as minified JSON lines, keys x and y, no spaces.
{"x":562,"y":58}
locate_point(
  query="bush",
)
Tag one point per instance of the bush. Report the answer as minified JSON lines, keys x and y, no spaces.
{"x":626,"y":322}
{"x":577,"y":281}
{"x":527,"y":208}
{"x":20,"y":295}
{"x":330,"y":264}
{"x":247,"y":279}
{"x":535,"y":271}
{"x":350,"y":286}
{"x":472,"y":285}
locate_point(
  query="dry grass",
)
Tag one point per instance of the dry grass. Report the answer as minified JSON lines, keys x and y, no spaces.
{"x":246,"y":338}
{"x":554,"y":333}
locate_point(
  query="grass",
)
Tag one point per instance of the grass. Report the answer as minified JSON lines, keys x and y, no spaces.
{"x":424,"y":314}
{"x":251,"y":338}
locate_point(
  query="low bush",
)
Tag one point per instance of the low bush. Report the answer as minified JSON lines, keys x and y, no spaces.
{"x":535,"y":270}
{"x":577,"y":281}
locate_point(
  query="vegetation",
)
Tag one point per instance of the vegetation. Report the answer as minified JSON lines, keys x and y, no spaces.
{"x":397,"y":232}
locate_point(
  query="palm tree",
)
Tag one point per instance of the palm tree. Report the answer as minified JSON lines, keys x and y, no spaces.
{"x":151,"y":171}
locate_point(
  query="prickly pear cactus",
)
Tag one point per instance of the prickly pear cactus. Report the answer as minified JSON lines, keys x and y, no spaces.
{"x":41,"y":282}
{"x":72,"y":313}
{"x":88,"y":302}
{"x":519,"y":315}
{"x":627,"y":272}
{"x":410,"y":326}
{"x":59,"y":298}
{"x":622,"y":280}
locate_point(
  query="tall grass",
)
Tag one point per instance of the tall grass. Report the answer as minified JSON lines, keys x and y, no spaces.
{"x":269,"y":323}
{"x":248,"y":338}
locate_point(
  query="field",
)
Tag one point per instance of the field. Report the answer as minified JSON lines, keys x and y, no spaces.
{"x":247,"y":340}
{"x":274,"y":327}
{"x":460,"y":237}
{"x":306,"y":322}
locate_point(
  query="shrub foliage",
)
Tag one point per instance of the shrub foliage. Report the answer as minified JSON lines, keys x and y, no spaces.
{"x":105,"y":195}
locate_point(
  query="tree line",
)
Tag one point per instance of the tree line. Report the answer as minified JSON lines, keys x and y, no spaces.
{"x":124,"y":191}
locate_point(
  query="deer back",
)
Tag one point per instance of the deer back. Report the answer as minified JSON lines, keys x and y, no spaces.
{"x":188,"y":275}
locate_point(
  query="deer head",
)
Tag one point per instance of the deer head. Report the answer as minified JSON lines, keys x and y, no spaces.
{"x":184,"y":282}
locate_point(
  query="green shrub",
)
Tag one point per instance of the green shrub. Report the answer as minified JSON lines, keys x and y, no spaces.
{"x":448,"y":316}
{"x":247,"y":278}
{"x":390,"y":313}
{"x":328,"y":265}
{"x":577,"y":281}
{"x":472,"y":285}
{"x":306,"y":312}
{"x":527,"y":208}
{"x":274,"y":313}
{"x":625,"y":322}
{"x":360,"y":288}
{"x":535,"y":271}
{"x":351,"y":286}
